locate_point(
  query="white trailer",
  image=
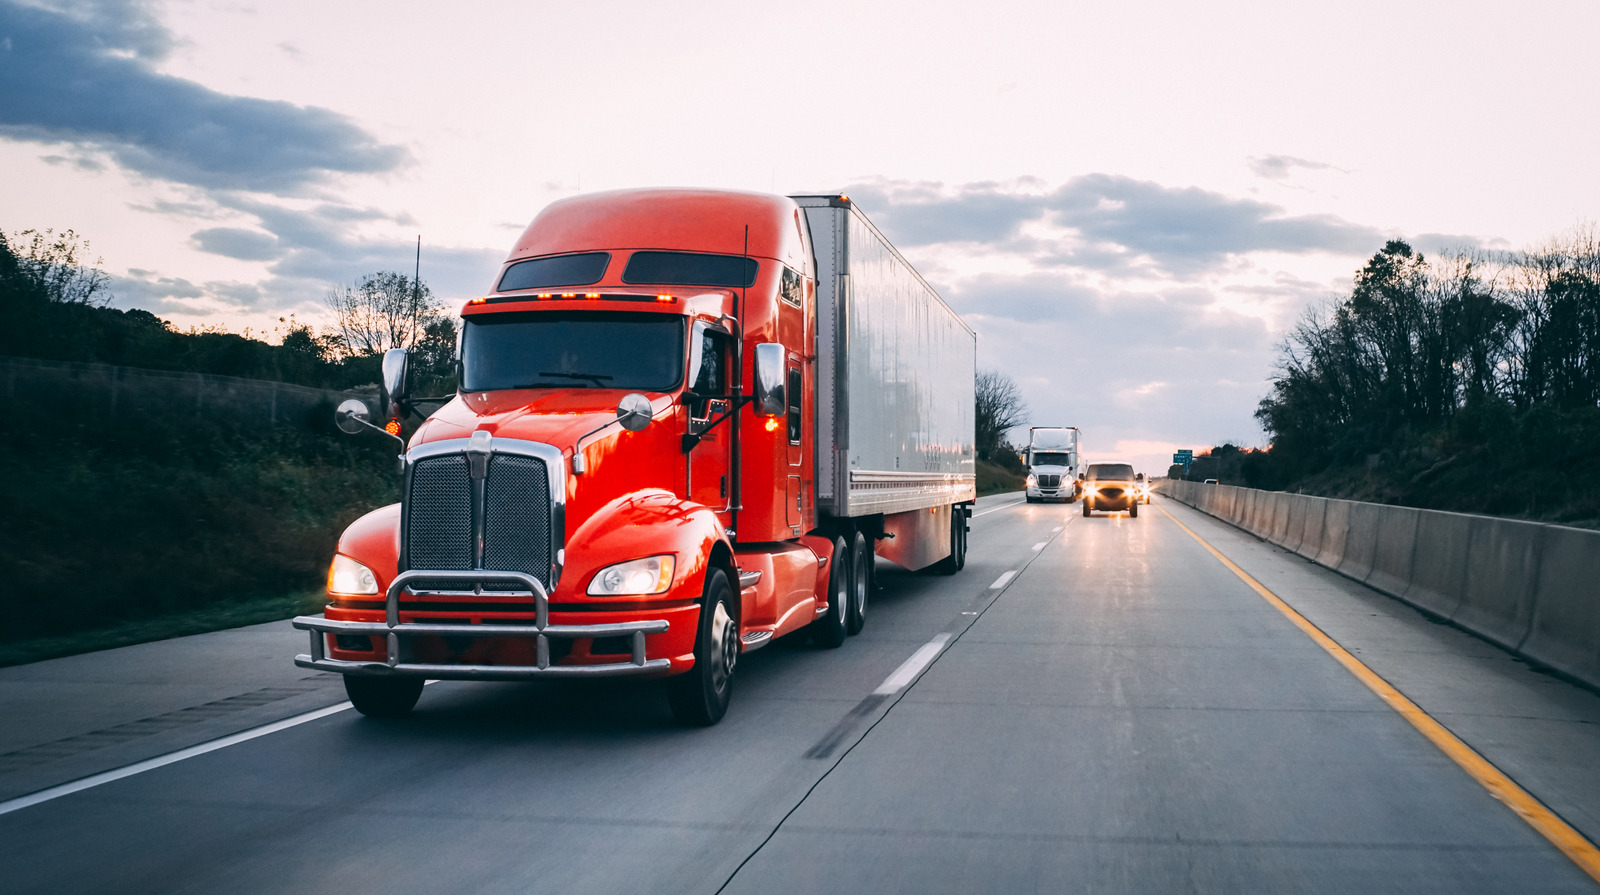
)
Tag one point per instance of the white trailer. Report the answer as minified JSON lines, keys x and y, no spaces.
{"x":1054,"y":461}
{"x":895,"y":377}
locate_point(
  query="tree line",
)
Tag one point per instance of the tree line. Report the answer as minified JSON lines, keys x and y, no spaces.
{"x":55,"y":305}
{"x":1454,"y":370}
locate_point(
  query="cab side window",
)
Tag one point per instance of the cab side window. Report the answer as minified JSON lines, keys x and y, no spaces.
{"x":794,"y":406}
{"x":708,"y":376}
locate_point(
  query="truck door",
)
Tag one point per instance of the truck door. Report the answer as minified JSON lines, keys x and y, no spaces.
{"x":708,"y":461}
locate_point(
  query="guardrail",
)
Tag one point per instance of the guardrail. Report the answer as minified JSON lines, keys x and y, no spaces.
{"x":1530,"y":587}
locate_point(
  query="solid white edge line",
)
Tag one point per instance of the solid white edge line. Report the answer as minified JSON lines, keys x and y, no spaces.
{"x":912,"y":667}
{"x":1001,"y":581}
{"x":150,"y":764}
{"x":997,"y":509}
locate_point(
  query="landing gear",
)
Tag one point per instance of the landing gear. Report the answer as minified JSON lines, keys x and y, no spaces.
{"x":829,"y":631}
{"x":383,"y":697}
{"x":700,"y":696}
{"x":861,"y":554}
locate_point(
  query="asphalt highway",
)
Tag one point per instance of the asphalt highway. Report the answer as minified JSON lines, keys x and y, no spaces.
{"x":1092,"y":705}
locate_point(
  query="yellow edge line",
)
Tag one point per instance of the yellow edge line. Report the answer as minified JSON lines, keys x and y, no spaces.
{"x":1550,"y":826}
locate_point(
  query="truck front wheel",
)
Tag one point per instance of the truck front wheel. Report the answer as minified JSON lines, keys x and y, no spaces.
{"x":383,"y":697}
{"x":700,"y":695}
{"x":1087,"y":509}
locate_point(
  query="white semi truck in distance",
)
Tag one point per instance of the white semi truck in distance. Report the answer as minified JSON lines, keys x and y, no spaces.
{"x":1053,"y":463}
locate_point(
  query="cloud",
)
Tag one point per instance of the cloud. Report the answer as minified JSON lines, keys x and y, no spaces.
{"x":232,"y":242}
{"x":83,"y":73}
{"x":1278,"y":167}
{"x":1105,"y":222}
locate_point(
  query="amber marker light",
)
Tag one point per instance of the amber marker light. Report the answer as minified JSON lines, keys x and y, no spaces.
{"x":772,"y":424}
{"x":591,"y":295}
{"x":478,"y":301}
{"x":663,"y":298}
{"x":569,"y":295}
{"x":392,"y":427}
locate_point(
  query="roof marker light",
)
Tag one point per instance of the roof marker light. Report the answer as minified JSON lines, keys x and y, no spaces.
{"x":569,"y":295}
{"x":663,"y":298}
{"x":542,"y":295}
{"x":478,"y":301}
{"x":591,"y":295}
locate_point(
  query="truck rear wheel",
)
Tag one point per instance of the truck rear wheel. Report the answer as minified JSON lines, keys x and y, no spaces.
{"x":957,"y":560}
{"x":829,"y":631}
{"x":700,"y":696}
{"x":383,"y":697}
{"x":860,"y":582}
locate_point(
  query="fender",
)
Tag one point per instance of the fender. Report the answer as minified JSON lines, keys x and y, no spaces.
{"x":648,"y":522}
{"x":374,"y":541}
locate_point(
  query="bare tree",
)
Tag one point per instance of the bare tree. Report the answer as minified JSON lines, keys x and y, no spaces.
{"x":999,"y":409}
{"x":381,"y":311}
{"x":53,"y":266}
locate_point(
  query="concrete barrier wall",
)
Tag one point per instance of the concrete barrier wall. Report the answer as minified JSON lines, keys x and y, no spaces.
{"x":1530,"y":587}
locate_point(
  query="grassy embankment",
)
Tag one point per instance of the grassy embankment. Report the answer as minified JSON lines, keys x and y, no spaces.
{"x":993,"y":479}
{"x":169,"y":527}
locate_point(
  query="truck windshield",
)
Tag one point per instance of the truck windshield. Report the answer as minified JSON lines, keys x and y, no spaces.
{"x":1049,"y":458}
{"x":572,"y":350}
{"x":1112,"y":471}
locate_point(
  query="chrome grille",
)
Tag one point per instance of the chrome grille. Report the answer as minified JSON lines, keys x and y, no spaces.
{"x":514,"y":515}
{"x":516,"y":531}
{"x":439,"y":514}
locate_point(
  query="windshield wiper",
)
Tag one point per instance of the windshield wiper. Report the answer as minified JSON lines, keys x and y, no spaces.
{"x":596,"y":378}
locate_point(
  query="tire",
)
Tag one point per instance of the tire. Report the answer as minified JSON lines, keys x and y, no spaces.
{"x":1086,"y":511}
{"x":1133,"y":510}
{"x":700,"y":696}
{"x":830,"y":630}
{"x":861,"y":555}
{"x":383,"y":697}
{"x":957,"y":560}
{"x":1033,"y":500}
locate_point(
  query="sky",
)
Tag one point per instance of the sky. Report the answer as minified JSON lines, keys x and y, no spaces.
{"x":1130,"y":203}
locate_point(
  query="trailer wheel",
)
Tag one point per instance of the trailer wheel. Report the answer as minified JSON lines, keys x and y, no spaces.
{"x":860,"y":582}
{"x":829,"y":631}
{"x":957,"y":560}
{"x":383,"y":697}
{"x":700,"y":696}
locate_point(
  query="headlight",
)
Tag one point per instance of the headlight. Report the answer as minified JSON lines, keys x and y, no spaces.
{"x":652,"y":575}
{"x":346,"y":576}
{"x":1032,"y":480}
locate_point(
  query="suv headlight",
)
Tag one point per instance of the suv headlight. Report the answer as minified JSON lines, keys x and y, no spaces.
{"x":652,"y":575}
{"x":346,"y":576}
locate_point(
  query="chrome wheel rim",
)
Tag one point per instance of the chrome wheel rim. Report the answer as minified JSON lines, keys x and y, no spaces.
{"x":724,"y":646}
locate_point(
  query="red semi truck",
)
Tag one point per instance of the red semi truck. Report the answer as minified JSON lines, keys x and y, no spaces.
{"x":687,"y":422}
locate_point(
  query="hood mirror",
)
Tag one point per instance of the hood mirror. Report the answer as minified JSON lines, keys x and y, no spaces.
{"x":352,"y":416}
{"x":634,"y":412}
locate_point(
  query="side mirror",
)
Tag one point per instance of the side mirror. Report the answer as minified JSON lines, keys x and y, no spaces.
{"x":768,"y":386}
{"x":352,"y":416}
{"x":634,"y":412}
{"x":396,"y":387}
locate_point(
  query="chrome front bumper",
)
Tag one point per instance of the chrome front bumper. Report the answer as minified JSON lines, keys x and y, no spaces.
{"x":392,"y":629}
